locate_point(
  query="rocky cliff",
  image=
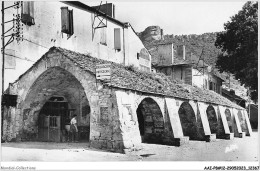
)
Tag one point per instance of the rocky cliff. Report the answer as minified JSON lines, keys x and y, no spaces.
{"x":151,"y":33}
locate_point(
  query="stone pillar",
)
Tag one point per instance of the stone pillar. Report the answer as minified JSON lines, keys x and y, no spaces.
{"x":223,"y":118}
{"x":94,"y":133}
{"x":248,"y":125}
{"x":204,"y":119}
{"x":175,"y":122}
{"x":199,"y":125}
{"x":236,"y":124}
{"x":128,"y":122}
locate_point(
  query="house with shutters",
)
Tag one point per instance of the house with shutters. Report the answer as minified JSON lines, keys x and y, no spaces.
{"x":180,"y":64}
{"x":133,"y":107}
{"x":72,"y":25}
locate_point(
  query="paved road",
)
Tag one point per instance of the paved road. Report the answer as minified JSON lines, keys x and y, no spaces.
{"x":239,"y":149}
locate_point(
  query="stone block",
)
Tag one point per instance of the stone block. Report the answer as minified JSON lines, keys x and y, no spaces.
{"x":95,"y":133}
{"x":117,"y":136}
{"x":95,"y":144}
{"x":242,"y":135}
{"x":229,"y":136}
{"x":109,"y":144}
{"x":181,"y":141}
{"x":210,"y":138}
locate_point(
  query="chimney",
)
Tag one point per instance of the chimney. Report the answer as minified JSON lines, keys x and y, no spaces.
{"x":107,"y":8}
{"x":162,"y":37}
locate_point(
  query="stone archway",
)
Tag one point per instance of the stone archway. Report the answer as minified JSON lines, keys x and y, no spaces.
{"x":151,"y":122}
{"x":212,"y":118}
{"x":229,"y":120}
{"x":242,"y":121}
{"x":188,"y":122}
{"x":56,"y":82}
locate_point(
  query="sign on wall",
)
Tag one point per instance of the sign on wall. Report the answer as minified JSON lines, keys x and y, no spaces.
{"x":103,"y":72}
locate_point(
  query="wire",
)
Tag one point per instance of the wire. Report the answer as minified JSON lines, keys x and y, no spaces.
{"x":35,"y":43}
{"x":26,"y":59}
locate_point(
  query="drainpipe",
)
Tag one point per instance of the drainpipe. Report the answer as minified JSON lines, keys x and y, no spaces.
{"x":124,"y":45}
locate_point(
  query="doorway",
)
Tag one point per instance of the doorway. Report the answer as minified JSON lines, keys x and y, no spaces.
{"x":53,"y":117}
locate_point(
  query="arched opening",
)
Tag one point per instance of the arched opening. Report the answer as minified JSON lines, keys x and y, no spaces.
{"x":229,"y":120}
{"x":212,"y":118}
{"x":242,"y":121}
{"x":151,"y":122}
{"x":188,"y":122}
{"x":50,"y":104}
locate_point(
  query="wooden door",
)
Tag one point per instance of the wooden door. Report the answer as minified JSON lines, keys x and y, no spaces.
{"x":49,"y":128}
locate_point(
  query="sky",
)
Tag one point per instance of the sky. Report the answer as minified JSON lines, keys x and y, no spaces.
{"x":187,"y":17}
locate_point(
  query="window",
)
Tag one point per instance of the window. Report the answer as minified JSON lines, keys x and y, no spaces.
{"x":138,"y":55}
{"x":67,"y":21}
{"x":206,"y":84}
{"x":27,"y":16}
{"x":103,"y":36}
{"x":117,"y":39}
{"x":211,"y":85}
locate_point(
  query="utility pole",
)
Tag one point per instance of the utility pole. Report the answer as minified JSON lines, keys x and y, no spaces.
{"x":3,"y":67}
{"x":16,"y":32}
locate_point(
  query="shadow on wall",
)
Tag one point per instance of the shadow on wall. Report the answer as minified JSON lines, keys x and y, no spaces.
{"x":151,"y":122}
{"x":189,"y":125}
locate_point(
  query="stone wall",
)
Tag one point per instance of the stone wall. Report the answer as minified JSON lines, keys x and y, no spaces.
{"x":46,"y":33}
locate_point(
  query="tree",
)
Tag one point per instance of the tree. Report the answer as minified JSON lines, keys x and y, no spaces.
{"x":238,"y":44}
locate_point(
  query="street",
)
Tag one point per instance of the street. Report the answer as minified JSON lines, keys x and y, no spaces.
{"x":239,"y":149}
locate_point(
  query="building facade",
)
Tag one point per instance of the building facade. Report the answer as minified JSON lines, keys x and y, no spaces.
{"x":175,"y":61}
{"x":132,"y":108}
{"x":71,"y":25}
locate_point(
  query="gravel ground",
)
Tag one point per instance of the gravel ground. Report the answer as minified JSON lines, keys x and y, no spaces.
{"x":239,"y":149}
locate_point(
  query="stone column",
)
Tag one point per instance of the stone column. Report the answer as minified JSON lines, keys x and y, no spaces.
{"x":204,"y":119}
{"x":248,"y":125}
{"x":128,"y":123}
{"x":223,"y":117}
{"x":175,"y":122}
{"x":236,"y":124}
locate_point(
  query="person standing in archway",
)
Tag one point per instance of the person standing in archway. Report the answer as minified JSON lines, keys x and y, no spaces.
{"x":74,"y":129}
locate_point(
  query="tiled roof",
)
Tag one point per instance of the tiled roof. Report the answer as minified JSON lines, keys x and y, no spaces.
{"x":131,"y":78}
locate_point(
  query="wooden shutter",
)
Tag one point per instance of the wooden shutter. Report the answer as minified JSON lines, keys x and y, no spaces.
{"x":26,"y":7}
{"x":117,"y":39}
{"x":67,"y":21}
{"x":71,"y":27}
{"x":64,"y":19}
{"x":28,"y":13}
{"x":31,"y":7}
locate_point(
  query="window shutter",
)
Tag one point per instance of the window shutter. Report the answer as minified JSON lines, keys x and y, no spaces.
{"x":117,"y":39}
{"x":210,"y":85}
{"x":28,"y":13}
{"x":71,"y":27}
{"x":67,"y":21}
{"x":64,"y":19}
{"x":31,"y":7}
